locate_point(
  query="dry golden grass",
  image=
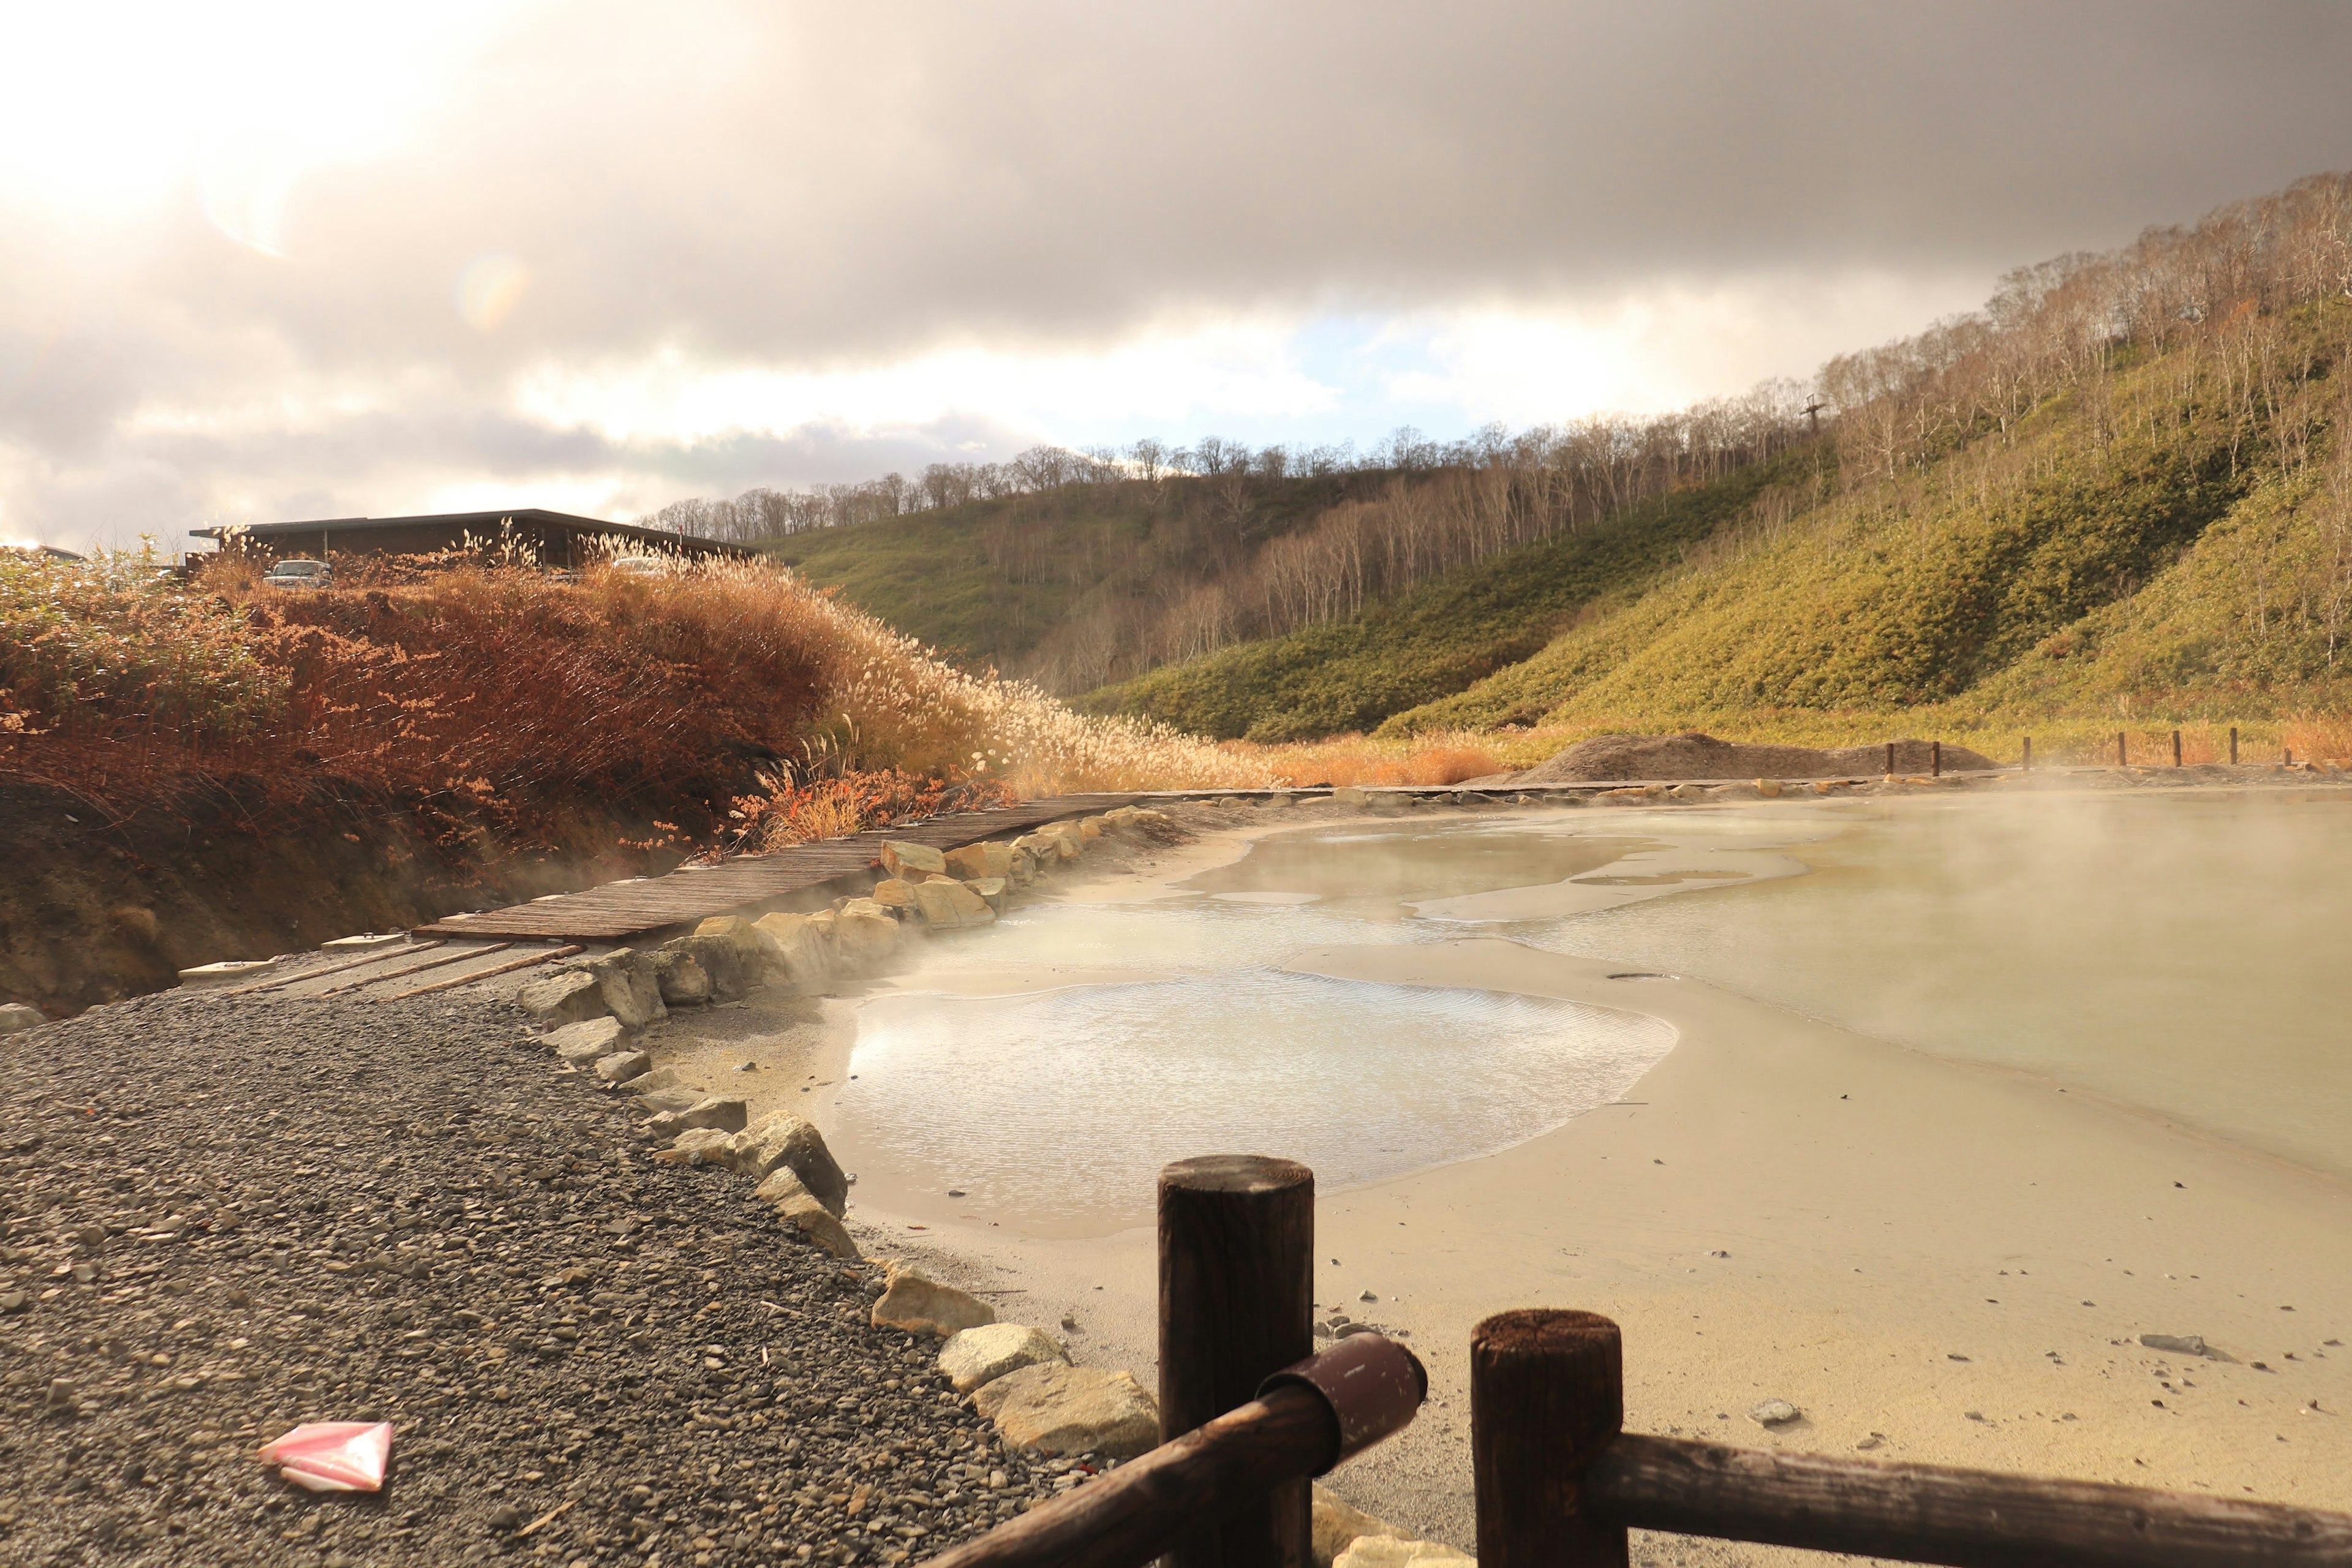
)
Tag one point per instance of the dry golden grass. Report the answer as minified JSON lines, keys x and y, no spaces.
{"x":508,"y":689}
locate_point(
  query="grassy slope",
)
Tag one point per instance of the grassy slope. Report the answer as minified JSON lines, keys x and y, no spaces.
{"x":987,"y":582}
{"x":1435,"y":640}
{"x":931,"y":575}
{"x":2057,"y":575}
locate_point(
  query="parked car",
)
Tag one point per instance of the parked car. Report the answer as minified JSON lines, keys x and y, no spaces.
{"x":641,"y":565}
{"x":299,"y":575}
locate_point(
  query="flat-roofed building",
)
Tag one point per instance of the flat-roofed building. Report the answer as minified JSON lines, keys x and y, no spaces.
{"x":552,"y":538}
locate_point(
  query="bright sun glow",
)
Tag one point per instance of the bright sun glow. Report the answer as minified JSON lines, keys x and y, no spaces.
{"x":110,"y":109}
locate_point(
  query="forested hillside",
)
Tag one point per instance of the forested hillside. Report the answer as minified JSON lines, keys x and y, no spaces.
{"x":1078,"y":569}
{"x":2126,"y":489}
{"x":2123,"y":490}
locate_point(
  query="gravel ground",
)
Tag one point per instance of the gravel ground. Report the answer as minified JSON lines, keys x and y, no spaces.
{"x":225,"y":1217}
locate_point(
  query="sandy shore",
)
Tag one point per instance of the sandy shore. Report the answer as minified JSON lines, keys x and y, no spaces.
{"x":1938,"y":1261}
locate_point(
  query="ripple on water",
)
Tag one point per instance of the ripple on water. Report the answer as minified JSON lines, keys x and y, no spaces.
{"x":1059,"y":1108}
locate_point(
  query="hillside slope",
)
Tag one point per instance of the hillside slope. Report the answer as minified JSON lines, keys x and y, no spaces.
{"x":1447,"y":634}
{"x":2123,"y":492}
{"x":2150,"y":539}
{"x":1004,"y":583}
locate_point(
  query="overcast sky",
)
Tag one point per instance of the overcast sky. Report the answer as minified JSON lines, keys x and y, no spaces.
{"x":265,"y":261}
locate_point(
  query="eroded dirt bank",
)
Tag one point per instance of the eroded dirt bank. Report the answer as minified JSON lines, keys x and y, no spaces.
{"x":96,"y":907}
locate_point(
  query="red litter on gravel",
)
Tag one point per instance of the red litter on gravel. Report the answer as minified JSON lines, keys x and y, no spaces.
{"x":332,"y":1456}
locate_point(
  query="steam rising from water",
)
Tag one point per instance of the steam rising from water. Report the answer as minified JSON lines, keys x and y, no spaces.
{"x":2180,"y":952}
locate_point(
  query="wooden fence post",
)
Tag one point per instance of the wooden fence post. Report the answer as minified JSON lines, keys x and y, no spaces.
{"x":1936,"y":759}
{"x":2176,"y":748}
{"x":2233,"y":746}
{"x":2121,"y":760}
{"x":1236,"y":1305}
{"x":1546,"y":1397}
{"x":1890,"y":759}
{"x":2029,"y":754}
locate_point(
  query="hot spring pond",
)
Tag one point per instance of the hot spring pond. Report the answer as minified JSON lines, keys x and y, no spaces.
{"x":2176,"y":952}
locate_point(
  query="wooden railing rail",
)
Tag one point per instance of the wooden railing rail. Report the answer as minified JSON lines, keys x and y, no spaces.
{"x":1248,"y":1416}
{"x":1937,"y":1513}
{"x":1559,"y":1485}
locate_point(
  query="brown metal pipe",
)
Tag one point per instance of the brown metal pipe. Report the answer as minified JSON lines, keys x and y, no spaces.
{"x":1937,"y":1514}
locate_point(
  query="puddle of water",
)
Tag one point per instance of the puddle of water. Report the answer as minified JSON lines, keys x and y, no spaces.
{"x":1055,"y":1110}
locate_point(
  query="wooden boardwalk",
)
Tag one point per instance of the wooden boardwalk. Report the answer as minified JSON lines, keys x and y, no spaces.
{"x":621,"y":912}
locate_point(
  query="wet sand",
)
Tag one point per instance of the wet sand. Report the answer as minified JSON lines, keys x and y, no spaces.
{"x":1949,"y":1262}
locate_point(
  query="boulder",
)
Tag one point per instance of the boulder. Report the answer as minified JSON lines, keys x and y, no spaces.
{"x":820,"y":1224}
{"x":710,"y":1110}
{"x":981,"y":1355}
{"x":684,"y":982}
{"x":1771,"y":788}
{"x":1061,"y":1409}
{"x":795,"y":954}
{"x":1391,"y":1552}
{"x":733,"y":974}
{"x":737,"y":931}
{"x":798,"y":1207}
{"x":631,"y":989}
{"x":948,"y":905}
{"x":894,"y":893}
{"x":1351,"y":794}
{"x":703,"y":1146}
{"x":1048,"y":846}
{"x":785,"y":1139}
{"x":1335,"y":1524}
{"x":664,"y":1081}
{"x":563,"y":998}
{"x":975,"y":860}
{"x":912,"y":860}
{"x":668,"y":1098}
{"x":16,"y":1017}
{"x":1023,"y":869}
{"x":1089,"y":829}
{"x":991,"y":891}
{"x":587,"y":1041}
{"x":864,"y":936}
{"x":923,"y":1306}
{"x":779,"y":1185}
{"x":623,"y":1066}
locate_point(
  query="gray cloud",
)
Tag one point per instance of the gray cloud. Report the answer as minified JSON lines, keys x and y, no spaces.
{"x":827,"y":187}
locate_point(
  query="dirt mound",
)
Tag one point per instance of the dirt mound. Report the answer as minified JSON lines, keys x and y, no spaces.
{"x":1692,"y":755}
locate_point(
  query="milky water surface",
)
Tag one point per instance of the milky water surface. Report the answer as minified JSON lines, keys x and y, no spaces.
{"x":2178,"y":952}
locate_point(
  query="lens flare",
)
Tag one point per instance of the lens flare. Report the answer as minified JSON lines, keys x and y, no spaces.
{"x":488,"y":287}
